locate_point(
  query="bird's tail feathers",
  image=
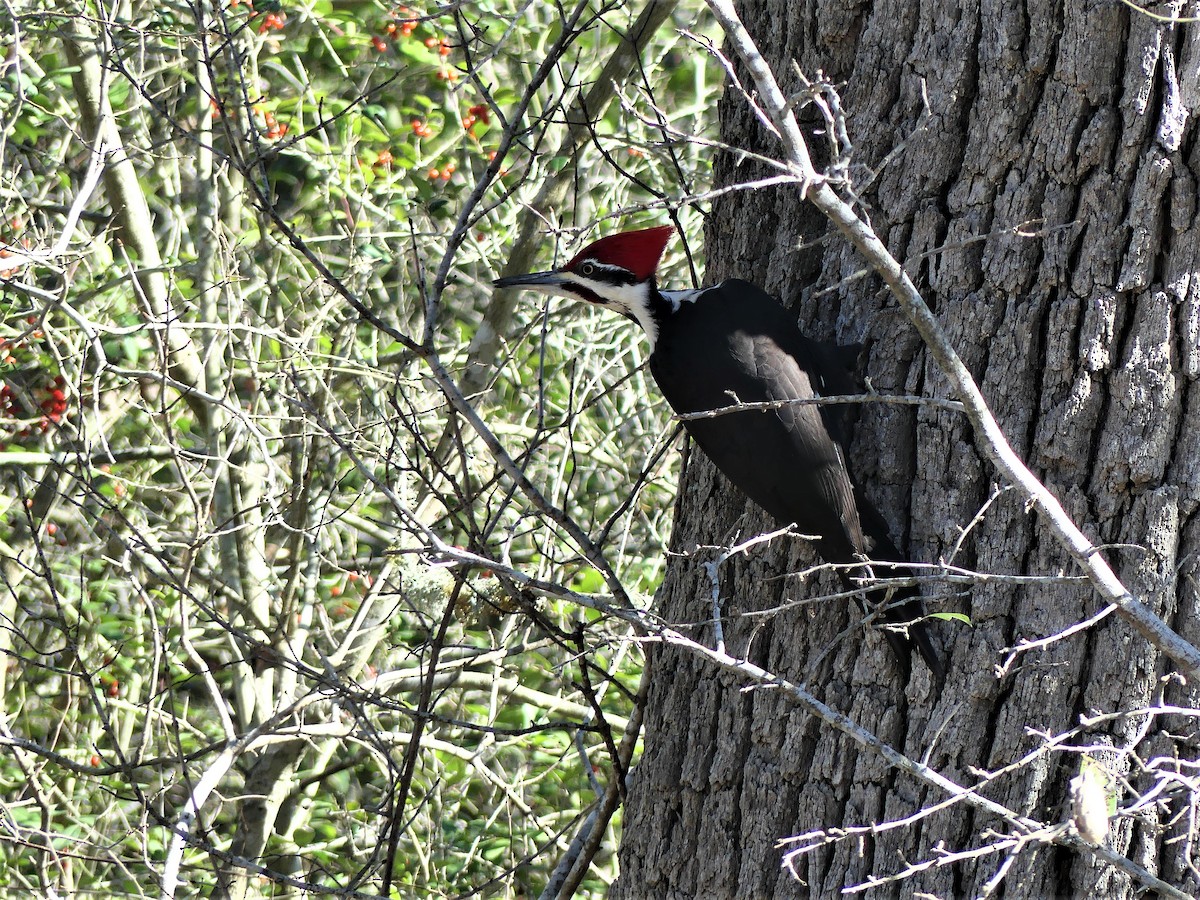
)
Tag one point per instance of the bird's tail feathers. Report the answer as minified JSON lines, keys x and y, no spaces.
{"x":904,"y":621}
{"x":903,"y":613}
{"x":905,"y":607}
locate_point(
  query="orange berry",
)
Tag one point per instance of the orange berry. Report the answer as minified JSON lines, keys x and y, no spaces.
{"x":51,"y":529}
{"x":379,"y":43}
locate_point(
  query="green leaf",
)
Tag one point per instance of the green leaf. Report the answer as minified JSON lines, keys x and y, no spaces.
{"x":951,"y":617}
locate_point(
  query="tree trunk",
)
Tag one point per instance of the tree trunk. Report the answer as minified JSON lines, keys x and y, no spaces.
{"x":1046,"y":207}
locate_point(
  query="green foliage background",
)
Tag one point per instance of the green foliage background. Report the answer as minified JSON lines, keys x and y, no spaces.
{"x":266,"y":562}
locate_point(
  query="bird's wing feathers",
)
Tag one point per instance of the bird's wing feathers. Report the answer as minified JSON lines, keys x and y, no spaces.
{"x":815,"y":434}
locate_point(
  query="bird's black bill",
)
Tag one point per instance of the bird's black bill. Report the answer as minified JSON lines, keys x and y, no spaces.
{"x":534,"y":279}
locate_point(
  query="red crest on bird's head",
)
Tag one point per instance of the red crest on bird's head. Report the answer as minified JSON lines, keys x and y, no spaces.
{"x":637,"y":251}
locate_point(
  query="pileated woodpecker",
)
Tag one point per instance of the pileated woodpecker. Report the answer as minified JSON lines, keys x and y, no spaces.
{"x":717,"y":346}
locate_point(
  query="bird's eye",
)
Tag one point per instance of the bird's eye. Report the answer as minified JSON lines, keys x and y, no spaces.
{"x":587,"y":269}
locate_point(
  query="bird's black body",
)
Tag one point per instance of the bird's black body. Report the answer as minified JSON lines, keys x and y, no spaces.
{"x":751,"y":351}
{"x":735,"y":343}
{"x":789,"y":460}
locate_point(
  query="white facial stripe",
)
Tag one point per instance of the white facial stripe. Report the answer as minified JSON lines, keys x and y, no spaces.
{"x":608,"y":267}
{"x":678,"y":298}
{"x":632,"y":300}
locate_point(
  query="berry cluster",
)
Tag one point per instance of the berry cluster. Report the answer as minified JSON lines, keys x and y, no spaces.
{"x":274,"y":130}
{"x":341,"y":609}
{"x":8,"y":241}
{"x":51,"y":402}
{"x":9,"y":405}
{"x":7,"y":273}
{"x":477,"y":113}
{"x":273,"y":21}
{"x":444,"y":174}
{"x":443,"y":45}
{"x":402,"y":23}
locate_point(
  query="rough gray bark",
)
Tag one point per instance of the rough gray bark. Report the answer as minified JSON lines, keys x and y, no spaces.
{"x":1072,"y":120}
